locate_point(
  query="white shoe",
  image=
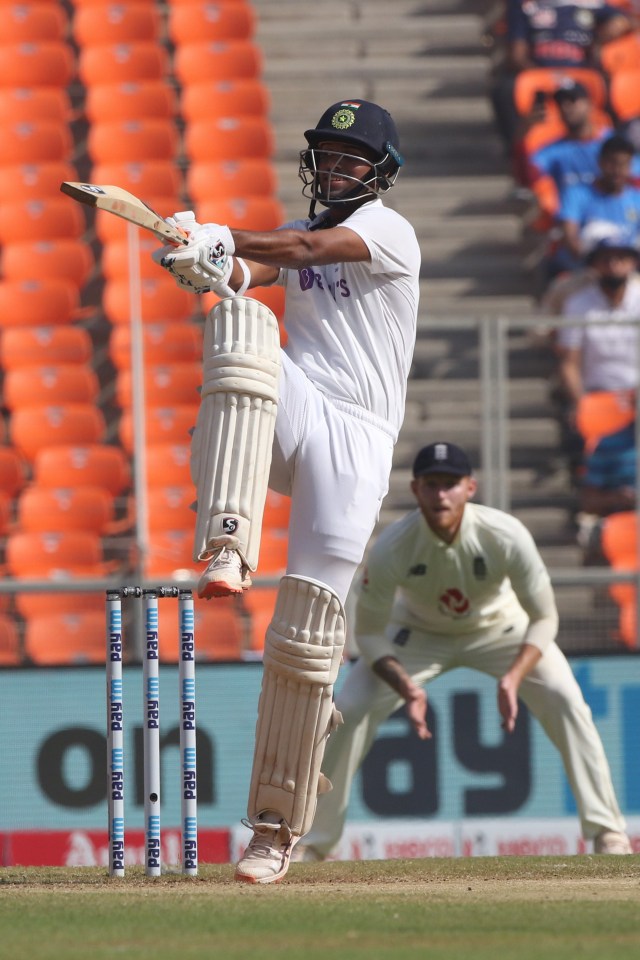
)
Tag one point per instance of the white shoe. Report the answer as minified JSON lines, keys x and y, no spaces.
{"x":225,"y":575}
{"x":266,"y":859}
{"x":610,"y":841}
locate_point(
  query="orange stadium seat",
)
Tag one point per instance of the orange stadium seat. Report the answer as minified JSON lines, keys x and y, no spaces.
{"x":34,"y":181}
{"x":37,"y":303}
{"x":47,"y":63}
{"x":13,"y":470}
{"x":197,"y":21}
{"x":273,"y":552}
{"x":25,"y":346}
{"x":553,"y":129}
{"x":49,"y":219}
{"x":162,"y":343}
{"x":74,"y":552}
{"x":166,"y":385}
{"x":35,"y":104}
{"x":10,"y":652}
{"x":168,"y":465}
{"x":110,"y":229}
{"x":97,"y":465}
{"x":229,"y":138}
{"x":33,"y":428}
{"x":6,"y":513}
{"x":162,"y":425}
{"x":624,"y":93}
{"x":41,"y":141}
{"x":602,"y":412}
{"x":619,"y":540}
{"x":260,"y":603}
{"x":116,"y":262}
{"x":161,"y":299}
{"x":114,"y":102}
{"x":122,"y":62}
{"x":131,"y":141}
{"x":65,"y":638}
{"x":549,"y":79}
{"x":36,"y":604}
{"x":33,"y":22}
{"x":155,"y":178}
{"x":46,"y":509}
{"x":230,"y":60}
{"x":218,"y":627}
{"x":69,"y":260}
{"x":243,"y":213}
{"x":64,"y":383}
{"x":244,"y":96}
{"x":107,"y":23}
{"x":170,"y":551}
{"x":231,"y":178}
{"x":621,"y":54}
{"x":170,"y":508}
{"x":277,"y":510}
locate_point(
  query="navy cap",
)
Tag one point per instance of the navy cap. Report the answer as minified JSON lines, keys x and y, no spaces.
{"x":570,"y":89}
{"x":359,"y":122}
{"x":442,"y":458}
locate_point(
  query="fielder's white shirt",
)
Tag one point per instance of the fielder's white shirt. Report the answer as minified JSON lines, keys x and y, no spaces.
{"x":351,"y":327}
{"x":414,"y":578}
{"x":609,"y":350}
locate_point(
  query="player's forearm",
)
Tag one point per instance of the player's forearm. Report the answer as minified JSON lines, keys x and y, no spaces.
{"x":392,"y":672}
{"x":289,"y":248}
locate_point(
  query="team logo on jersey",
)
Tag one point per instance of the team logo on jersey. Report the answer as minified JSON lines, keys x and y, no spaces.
{"x":229,"y":525}
{"x":453,"y":603}
{"x":343,"y":119}
{"x":402,"y":636}
{"x":584,"y":18}
{"x":479,"y":568}
{"x":419,"y":570}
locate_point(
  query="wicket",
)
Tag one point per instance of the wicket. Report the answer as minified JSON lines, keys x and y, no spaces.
{"x":151,"y":729}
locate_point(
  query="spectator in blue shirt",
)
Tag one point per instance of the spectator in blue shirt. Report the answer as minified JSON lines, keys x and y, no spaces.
{"x":611,"y":197}
{"x":573,"y":158}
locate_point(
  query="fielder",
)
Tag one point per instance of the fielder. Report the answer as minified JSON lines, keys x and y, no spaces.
{"x":456,"y":584}
{"x":317,"y":420}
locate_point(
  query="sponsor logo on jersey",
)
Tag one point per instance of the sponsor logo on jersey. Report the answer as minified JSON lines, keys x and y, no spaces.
{"x":402,"y":637}
{"x":419,"y":570}
{"x":479,"y":568}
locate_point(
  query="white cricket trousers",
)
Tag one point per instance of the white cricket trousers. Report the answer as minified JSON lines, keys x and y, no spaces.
{"x":334,"y":461}
{"x":550,"y":691}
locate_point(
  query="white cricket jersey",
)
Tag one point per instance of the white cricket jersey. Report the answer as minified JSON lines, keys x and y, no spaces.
{"x":609,"y":350}
{"x":415,"y":578}
{"x":351,"y":327}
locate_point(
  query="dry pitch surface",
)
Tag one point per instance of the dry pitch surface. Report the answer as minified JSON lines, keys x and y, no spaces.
{"x":465,"y":909}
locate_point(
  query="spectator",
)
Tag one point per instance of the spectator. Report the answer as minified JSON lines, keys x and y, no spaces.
{"x":602,"y":355}
{"x":574,"y":157}
{"x":612,"y":198}
{"x":550,"y":33}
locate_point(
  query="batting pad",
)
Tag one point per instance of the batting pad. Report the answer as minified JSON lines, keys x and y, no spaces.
{"x":296,"y":714}
{"x":232,"y":442}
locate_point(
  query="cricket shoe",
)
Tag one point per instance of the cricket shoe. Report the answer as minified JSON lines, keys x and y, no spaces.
{"x":611,"y":841}
{"x":266,"y":859}
{"x":225,"y":575}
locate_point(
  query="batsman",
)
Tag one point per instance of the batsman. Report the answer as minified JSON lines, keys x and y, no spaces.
{"x":316,"y":420}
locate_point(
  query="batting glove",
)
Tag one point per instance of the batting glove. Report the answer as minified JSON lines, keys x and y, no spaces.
{"x":205,"y":264}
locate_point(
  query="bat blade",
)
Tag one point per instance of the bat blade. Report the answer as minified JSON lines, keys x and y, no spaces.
{"x":123,"y":204}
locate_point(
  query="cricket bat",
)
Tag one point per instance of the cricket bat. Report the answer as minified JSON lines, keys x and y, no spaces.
{"x":126,"y":205}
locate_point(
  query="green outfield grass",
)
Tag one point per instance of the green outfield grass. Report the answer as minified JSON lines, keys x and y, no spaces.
{"x":542,"y":908}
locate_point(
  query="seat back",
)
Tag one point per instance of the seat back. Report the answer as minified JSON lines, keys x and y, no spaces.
{"x":33,"y":428}
{"x":162,"y":343}
{"x":65,"y":639}
{"x":603,"y":412}
{"x":97,"y":465}
{"x":25,"y":346}
{"x":229,"y":138}
{"x":44,"y":509}
{"x":65,"y":383}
